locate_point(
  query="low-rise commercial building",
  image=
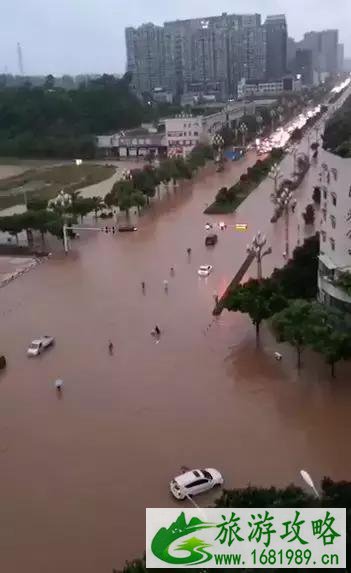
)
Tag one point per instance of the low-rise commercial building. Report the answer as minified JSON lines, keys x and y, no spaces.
{"x":247,"y":89}
{"x":132,"y":143}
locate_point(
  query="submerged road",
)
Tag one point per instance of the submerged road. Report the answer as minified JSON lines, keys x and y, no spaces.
{"x":78,"y":471}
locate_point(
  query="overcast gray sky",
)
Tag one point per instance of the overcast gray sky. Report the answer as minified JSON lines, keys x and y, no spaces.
{"x":82,"y":36}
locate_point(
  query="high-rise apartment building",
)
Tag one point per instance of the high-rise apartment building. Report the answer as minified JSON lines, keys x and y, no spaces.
{"x":304,"y":66}
{"x":324,"y":48}
{"x":329,"y":40}
{"x":201,"y":55}
{"x":341,"y":57}
{"x":145,"y":56}
{"x":276,"y":39}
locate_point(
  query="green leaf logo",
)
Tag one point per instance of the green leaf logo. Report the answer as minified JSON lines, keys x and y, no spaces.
{"x":195,"y":547}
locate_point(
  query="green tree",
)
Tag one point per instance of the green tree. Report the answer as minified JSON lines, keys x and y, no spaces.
{"x":329,"y":334}
{"x":97,"y":204}
{"x":298,"y":278}
{"x":82,"y":206}
{"x":138,"y":200}
{"x":259,"y":299}
{"x":49,"y":82}
{"x":291,"y":325}
{"x":37,"y":204}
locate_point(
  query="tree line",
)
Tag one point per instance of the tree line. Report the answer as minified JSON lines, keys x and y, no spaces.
{"x":52,"y":122}
{"x":288,"y":300}
{"x":140,"y":185}
{"x":135,"y":190}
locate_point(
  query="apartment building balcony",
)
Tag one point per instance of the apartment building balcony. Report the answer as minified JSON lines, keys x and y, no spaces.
{"x":330,"y":291}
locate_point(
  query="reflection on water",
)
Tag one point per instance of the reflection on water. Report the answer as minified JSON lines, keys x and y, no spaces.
{"x":77,"y":473}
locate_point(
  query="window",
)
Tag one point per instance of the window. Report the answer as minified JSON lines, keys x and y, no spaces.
{"x":332,"y":244}
{"x":324,"y":236}
{"x":196,"y":133}
{"x":196,"y":473}
{"x":324,"y":193}
{"x":334,"y":199}
{"x":196,"y":483}
{"x":333,"y":221}
{"x":207,"y":474}
{"x":324,"y":212}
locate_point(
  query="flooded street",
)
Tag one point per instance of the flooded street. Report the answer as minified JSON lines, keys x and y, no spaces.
{"x":78,"y":471}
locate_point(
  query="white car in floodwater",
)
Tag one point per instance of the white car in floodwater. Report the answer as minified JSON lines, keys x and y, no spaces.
{"x":38,"y":345}
{"x":205,"y":270}
{"x":194,"y":482}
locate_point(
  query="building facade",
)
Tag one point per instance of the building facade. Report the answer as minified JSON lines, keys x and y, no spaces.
{"x":304,"y":66}
{"x":249,"y":89}
{"x":145,"y":57}
{"x":335,"y":230}
{"x":324,"y":48}
{"x":276,"y":41}
{"x":199,"y":55}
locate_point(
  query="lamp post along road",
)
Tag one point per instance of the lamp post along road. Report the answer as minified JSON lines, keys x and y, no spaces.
{"x":284,"y":202}
{"x":309,"y":481}
{"x":276,"y":176}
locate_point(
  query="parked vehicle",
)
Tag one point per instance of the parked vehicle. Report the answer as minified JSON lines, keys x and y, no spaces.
{"x":38,"y":345}
{"x":204,"y":270}
{"x":211,"y":240}
{"x":127,"y":229}
{"x":194,"y":482}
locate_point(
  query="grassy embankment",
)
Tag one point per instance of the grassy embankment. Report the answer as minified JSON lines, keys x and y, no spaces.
{"x":48,"y":182}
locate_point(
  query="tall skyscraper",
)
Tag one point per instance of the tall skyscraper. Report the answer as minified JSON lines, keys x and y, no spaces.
{"x":199,"y":55}
{"x":145,"y":56}
{"x":292,"y":46}
{"x":341,"y":57}
{"x":324,"y":47}
{"x":329,"y":40}
{"x":304,"y":66}
{"x":253,"y":48}
{"x":276,"y":38}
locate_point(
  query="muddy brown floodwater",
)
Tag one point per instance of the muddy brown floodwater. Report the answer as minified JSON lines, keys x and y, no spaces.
{"x":77,"y":472}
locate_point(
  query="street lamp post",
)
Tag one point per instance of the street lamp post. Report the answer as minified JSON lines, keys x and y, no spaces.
{"x":309,"y":481}
{"x":273,"y":115}
{"x":243,"y":130}
{"x":283,"y":202}
{"x":259,"y":121}
{"x":276,"y":176}
{"x":256,"y":248}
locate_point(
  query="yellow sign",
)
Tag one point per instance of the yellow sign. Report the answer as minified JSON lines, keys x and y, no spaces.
{"x":241,"y":227}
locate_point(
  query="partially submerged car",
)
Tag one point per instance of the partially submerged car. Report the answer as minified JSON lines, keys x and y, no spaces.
{"x":38,"y":345}
{"x":205,"y":270}
{"x":211,"y":240}
{"x":194,"y":482}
